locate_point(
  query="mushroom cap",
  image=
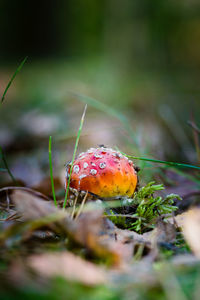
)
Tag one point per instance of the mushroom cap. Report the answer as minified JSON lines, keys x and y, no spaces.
{"x":103,"y":172}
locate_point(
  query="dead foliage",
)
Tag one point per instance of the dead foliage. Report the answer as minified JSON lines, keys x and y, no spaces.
{"x":87,"y":248}
{"x":190,"y":225}
{"x":69,"y":266}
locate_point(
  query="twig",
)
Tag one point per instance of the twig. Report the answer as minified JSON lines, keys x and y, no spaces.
{"x":81,"y":206}
{"x":14,"y":216}
{"x":36,"y":193}
{"x":74,"y":207}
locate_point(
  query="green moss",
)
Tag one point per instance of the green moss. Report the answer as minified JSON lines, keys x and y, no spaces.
{"x":147,"y":207}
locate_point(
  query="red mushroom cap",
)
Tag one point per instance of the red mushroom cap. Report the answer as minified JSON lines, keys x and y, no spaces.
{"x":103,"y":172}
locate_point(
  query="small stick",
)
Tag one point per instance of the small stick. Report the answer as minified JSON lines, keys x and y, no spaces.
{"x":74,"y":207}
{"x":81,"y":206}
{"x":34,"y":192}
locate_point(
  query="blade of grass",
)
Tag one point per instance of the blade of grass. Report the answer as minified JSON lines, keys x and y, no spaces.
{"x":6,"y":165}
{"x":169,"y":163}
{"x":51,"y":171}
{"x":109,"y":110}
{"x":13,"y":77}
{"x":74,"y":154}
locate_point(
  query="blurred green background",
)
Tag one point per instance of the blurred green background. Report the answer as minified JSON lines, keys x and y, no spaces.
{"x":140,"y":59}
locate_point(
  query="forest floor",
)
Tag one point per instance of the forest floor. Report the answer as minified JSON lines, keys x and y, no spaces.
{"x":144,"y":247}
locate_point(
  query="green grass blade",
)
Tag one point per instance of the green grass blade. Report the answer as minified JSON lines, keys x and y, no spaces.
{"x":74,"y":154}
{"x":6,"y":165}
{"x":169,"y":163}
{"x":13,"y":77}
{"x":109,"y":110}
{"x":51,"y":171}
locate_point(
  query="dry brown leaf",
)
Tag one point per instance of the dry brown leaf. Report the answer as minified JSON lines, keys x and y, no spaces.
{"x":11,"y":189}
{"x":128,"y":241}
{"x":30,"y":206}
{"x":179,"y":219}
{"x":89,"y":230}
{"x":121,"y":245}
{"x":191,"y":229}
{"x":69,"y":266}
{"x":86,"y":230}
{"x":112,"y":243}
{"x":189,"y":222}
{"x":164,"y":231}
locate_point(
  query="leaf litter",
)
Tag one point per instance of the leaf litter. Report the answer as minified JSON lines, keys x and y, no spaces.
{"x":89,"y":248}
{"x":85,"y":244}
{"x":100,"y":245}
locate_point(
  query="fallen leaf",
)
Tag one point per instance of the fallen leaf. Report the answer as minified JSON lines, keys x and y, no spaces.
{"x":191,"y":229}
{"x":127,"y":243}
{"x":69,"y":266}
{"x":30,"y":206}
{"x":189,"y":223}
{"x":164,"y":231}
{"x":90,"y":230}
{"x":86,"y":230}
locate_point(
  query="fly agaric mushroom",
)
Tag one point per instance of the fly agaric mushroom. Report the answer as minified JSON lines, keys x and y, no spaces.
{"x":103,"y":172}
